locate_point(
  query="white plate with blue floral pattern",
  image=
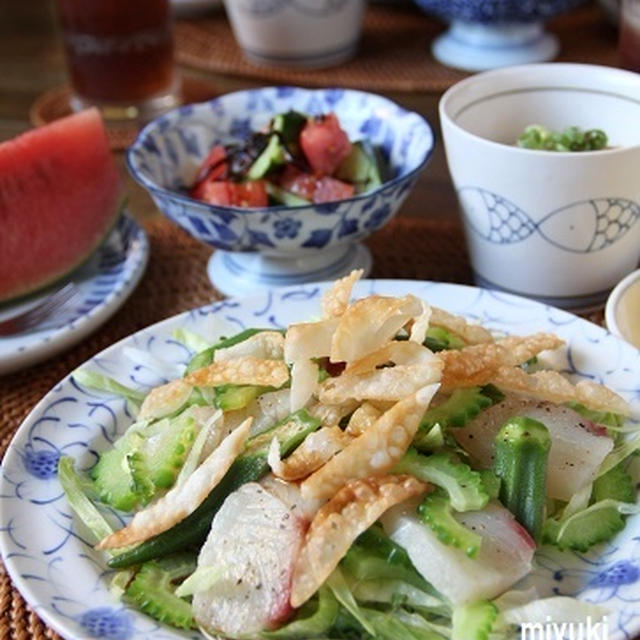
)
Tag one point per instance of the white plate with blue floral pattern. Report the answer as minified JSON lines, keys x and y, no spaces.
{"x":65,"y":581}
{"x":103,"y":283}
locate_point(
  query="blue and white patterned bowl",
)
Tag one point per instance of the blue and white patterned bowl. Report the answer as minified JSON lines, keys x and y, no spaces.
{"x":294,"y":244}
{"x":497,"y":10}
{"x":485,"y":34}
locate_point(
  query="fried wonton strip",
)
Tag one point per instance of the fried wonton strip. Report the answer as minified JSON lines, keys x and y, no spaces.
{"x":266,"y":345}
{"x":164,"y":400}
{"x":362,"y":418}
{"x":304,"y":382}
{"x":470,"y":333}
{"x":376,"y":450}
{"x":316,"y":450}
{"x":396,"y":352}
{"x":336,"y":299}
{"x":421,"y":324}
{"x":309,"y":340}
{"x":339,"y":522}
{"x":523,"y":348}
{"x":415,"y":367}
{"x":183,"y":499}
{"x":554,"y":387}
{"x":331,"y":414}
{"x":245,"y":370}
{"x":368,"y":324}
{"x":477,"y":364}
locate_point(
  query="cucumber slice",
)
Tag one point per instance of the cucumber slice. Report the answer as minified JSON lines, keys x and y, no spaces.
{"x":114,"y":482}
{"x":270,"y":159}
{"x":288,"y":126}
{"x":153,"y":590}
{"x":162,"y":453}
{"x":360,"y":167}
{"x":282,"y":196}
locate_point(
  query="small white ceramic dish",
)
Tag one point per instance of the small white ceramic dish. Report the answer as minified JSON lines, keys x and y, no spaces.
{"x":297,"y":33}
{"x":622,"y":313}
{"x":561,"y":227}
{"x":103,"y":283}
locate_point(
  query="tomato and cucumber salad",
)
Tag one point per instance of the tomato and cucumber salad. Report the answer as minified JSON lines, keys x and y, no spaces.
{"x":296,"y":160}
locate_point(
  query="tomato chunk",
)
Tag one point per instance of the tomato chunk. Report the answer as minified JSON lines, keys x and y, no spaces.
{"x":330,"y":189}
{"x":214,"y":166}
{"x":324,"y":144}
{"x":225,"y":193}
{"x":296,"y":181}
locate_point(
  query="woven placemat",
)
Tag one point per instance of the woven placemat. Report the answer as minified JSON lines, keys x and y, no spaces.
{"x":175,"y":281}
{"x":56,"y":103}
{"x":394,"y":53}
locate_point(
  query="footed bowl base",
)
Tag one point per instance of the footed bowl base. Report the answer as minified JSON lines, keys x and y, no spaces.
{"x":240,"y":274}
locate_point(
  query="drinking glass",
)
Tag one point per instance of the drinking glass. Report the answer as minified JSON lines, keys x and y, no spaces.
{"x":120,"y":56}
{"x":629,"y":43}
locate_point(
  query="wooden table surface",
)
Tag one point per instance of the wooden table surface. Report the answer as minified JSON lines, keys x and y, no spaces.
{"x":32,"y":61}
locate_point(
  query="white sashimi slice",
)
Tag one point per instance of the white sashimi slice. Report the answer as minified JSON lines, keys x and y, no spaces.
{"x":504,"y":557}
{"x":578,"y":445}
{"x":289,"y":492}
{"x":254,"y":540}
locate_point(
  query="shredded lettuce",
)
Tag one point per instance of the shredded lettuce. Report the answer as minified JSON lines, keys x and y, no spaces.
{"x":389,"y":625}
{"x":193,"y":341}
{"x":202,"y":579}
{"x":390,"y":591}
{"x":463,"y":485}
{"x":100,"y":382}
{"x":314,"y":619}
{"x":193,"y":457}
{"x":542,"y":610}
{"x":343,"y":595}
{"x":74,"y":489}
{"x":374,"y":556}
{"x":620,"y":453}
{"x":606,"y":418}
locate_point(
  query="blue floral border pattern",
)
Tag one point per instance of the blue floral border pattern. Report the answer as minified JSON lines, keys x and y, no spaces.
{"x":487,"y":11}
{"x":602,"y":221}
{"x":59,"y":573}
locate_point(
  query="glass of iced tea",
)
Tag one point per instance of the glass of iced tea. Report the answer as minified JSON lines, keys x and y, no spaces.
{"x":629,"y":45}
{"x":120,"y":56}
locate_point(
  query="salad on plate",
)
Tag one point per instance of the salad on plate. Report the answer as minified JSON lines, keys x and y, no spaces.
{"x":388,"y":470}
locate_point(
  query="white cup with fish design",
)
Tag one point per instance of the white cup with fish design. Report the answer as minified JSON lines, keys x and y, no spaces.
{"x":563,"y":227}
{"x":296,"y":33}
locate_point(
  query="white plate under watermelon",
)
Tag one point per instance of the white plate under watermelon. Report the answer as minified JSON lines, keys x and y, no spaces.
{"x":103,"y":284}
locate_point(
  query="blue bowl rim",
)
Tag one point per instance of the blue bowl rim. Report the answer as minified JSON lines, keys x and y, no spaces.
{"x":157,"y":189}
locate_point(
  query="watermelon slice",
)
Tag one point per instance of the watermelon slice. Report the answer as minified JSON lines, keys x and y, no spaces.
{"x":60,"y":192}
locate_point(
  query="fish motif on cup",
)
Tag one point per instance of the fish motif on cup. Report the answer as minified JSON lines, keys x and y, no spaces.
{"x":580,"y":227}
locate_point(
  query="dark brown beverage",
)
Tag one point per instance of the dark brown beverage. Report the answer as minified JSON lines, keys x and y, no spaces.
{"x":120,"y":53}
